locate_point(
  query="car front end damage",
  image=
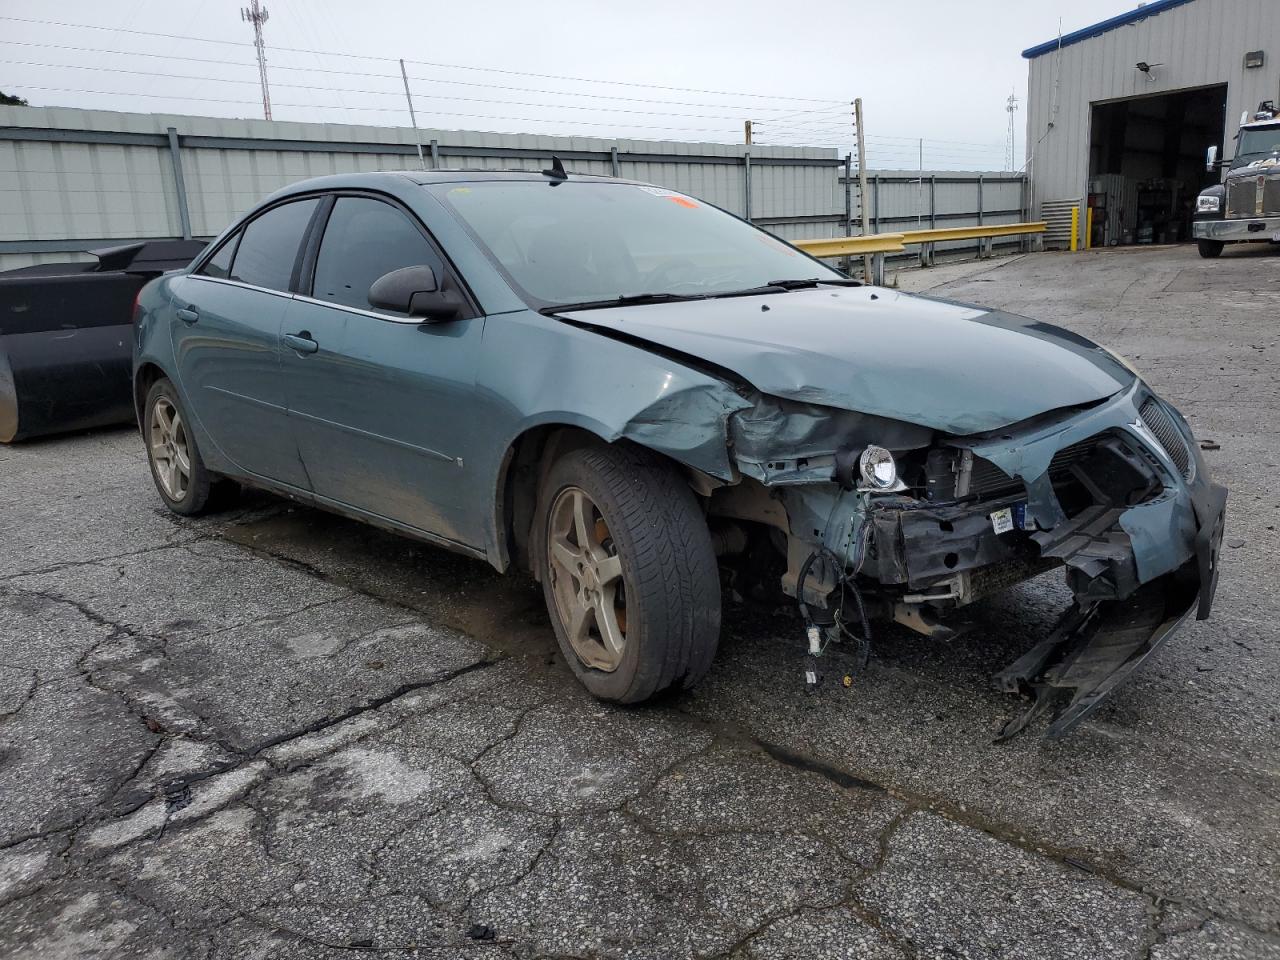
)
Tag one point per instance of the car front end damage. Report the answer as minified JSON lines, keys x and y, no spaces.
{"x":1115,"y":492}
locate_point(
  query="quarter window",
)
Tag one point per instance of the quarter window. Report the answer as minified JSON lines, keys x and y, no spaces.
{"x":268,"y":247}
{"x":365,"y":239}
{"x":219,"y":265}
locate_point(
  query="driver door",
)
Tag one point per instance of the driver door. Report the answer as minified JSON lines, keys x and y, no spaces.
{"x":380,"y":403}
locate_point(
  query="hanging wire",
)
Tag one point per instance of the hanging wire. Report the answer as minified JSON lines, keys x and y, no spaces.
{"x":387,"y":76}
{"x":428,"y":63}
{"x":827,"y":124}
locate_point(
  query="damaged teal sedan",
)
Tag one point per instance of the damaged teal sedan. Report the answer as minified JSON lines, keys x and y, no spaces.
{"x":633,"y":394}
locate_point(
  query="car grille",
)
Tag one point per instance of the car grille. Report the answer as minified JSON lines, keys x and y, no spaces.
{"x":1242,"y":197}
{"x":986,"y":480}
{"x":1159,"y":421}
{"x":1271,"y":197}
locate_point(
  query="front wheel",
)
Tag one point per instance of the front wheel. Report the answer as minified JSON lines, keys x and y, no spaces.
{"x":628,"y":572}
{"x":1210,"y":248}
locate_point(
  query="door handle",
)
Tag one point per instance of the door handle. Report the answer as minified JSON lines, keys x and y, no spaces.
{"x":188,"y":314}
{"x":301,"y":342}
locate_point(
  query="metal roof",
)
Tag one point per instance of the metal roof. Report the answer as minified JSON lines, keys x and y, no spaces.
{"x":1098,"y":29}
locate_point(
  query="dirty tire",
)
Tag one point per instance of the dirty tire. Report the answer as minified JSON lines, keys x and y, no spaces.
{"x":669,"y":570}
{"x":1210,"y":248}
{"x":202,"y":491}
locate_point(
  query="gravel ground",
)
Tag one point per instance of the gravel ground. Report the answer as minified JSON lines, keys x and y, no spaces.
{"x":277,"y":734}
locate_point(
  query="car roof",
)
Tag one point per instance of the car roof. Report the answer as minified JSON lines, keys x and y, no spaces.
{"x":392,"y":179}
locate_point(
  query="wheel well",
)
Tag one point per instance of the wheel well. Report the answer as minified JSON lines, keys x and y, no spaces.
{"x":143,"y":380}
{"x":523,"y":468}
{"x":527,"y":461}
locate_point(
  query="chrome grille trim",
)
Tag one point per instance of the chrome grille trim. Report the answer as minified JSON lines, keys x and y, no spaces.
{"x":1242,"y":197}
{"x":1162,"y":427}
{"x":1271,"y":197}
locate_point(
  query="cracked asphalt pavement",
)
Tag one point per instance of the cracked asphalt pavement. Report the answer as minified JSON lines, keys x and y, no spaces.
{"x":273,"y":733}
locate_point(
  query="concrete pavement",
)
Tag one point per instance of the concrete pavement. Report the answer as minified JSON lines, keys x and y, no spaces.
{"x":274,"y":733}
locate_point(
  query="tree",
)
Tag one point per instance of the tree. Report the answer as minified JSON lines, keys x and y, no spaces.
{"x":9,"y":101}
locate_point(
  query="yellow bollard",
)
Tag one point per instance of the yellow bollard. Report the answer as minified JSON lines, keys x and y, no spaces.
{"x":1088,"y":229}
{"x":1075,"y":229}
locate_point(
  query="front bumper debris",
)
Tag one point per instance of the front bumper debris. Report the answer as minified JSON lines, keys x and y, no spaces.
{"x":1095,"y":647}
{"x":1118,"y":495}
{"x":1229,"y":231}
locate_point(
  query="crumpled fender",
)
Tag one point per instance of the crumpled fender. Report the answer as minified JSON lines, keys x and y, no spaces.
{"x":690,"y":425}
{"x":551,"y":372}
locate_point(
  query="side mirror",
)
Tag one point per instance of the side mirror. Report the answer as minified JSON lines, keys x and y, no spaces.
{"x":415,"y":291}
{"x":1211,"y":159}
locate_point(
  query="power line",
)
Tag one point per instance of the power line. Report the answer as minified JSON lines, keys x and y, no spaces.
{"x":429,"y":63}
{"x":312,"y":106}
{"x":387,"y":76}
{"x":376,"y":93}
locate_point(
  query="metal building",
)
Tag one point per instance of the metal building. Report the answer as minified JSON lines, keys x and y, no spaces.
{"x":73,"y":180}
{"x":1120,"y":114}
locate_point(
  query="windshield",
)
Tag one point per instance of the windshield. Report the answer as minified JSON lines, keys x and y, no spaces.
{"x":1256,"y":144}
{"x":572,"y":241}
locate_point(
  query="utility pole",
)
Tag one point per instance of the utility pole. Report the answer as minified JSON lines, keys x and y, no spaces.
{"x":1011,"y":157}
{"x":413,"y":117}
{"x":862,"y":182}
{"x":257,"y":14}
{"x":746,"y":132}
{"x":920,"y":190}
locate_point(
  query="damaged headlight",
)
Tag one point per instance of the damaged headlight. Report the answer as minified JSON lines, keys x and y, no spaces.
{"x":878,"y":469}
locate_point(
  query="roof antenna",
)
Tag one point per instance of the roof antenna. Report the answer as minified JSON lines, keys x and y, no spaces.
{"x":557,"y":171}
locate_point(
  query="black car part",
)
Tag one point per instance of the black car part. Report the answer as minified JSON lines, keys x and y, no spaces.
{"x":66,"y":338}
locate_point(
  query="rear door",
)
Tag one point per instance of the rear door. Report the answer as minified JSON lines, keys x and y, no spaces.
{"x":381,"y":403}
{"x":227,"y":341}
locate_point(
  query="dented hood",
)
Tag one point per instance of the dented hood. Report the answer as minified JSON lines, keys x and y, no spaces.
{"x":943,"y":365}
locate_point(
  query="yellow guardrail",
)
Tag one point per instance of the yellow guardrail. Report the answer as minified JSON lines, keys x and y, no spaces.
{"x":876,"y":245}
{"x":854,"y":246}
{"x":973,"y":233}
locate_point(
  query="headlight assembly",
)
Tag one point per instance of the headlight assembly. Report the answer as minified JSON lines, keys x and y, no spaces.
{"x":1209,"y":204}
{"x":878,"y":470}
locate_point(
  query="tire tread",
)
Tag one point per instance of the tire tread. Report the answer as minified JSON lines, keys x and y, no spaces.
{"x":674,"y":575}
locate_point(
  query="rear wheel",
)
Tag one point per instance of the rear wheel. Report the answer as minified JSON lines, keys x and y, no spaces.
{"x":184,"y":484}
{"x":628,"y":572}
{"x":1210,"y":248}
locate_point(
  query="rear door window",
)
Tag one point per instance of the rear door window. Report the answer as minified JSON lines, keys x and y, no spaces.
{"x":268,"y":249}
{"x":363,"y":240}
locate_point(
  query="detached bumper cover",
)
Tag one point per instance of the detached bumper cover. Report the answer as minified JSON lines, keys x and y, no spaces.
{"x":1259,"y":228}
{"x":1098,"y":644}
{"x":1138,"y":572}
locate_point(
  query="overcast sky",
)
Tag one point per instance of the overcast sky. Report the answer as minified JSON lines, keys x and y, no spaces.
{"x":941,"y":70}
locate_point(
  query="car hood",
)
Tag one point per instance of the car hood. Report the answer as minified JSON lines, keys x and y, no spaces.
{"x":948,"y":366}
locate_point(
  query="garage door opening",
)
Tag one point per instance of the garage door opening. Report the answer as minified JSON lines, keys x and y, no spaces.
{"x":1146,"y":164}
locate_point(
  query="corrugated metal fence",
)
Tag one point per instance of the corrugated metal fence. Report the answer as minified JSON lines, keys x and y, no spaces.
{"x":72,"y":180}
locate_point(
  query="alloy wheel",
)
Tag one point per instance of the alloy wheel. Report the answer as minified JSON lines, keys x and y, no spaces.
{"x":170,"y":449}
{"x":586,"y":580}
